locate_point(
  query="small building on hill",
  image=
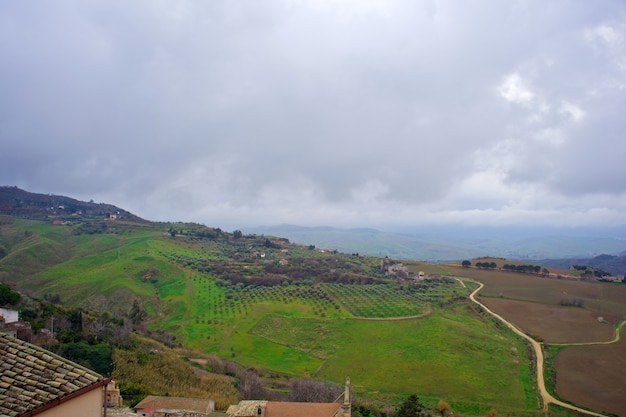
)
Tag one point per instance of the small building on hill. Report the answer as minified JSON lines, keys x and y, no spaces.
{"x":34,"y":381}
{"x":9,"y":316}
{"x":11,"y":325}
{"x":19,"y":329}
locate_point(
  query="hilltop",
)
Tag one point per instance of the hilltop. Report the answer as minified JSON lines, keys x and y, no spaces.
{"x":17,"y":202}
{"x":613,"y":264}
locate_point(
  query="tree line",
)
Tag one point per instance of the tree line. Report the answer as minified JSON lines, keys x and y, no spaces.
{"x":509,"y":267}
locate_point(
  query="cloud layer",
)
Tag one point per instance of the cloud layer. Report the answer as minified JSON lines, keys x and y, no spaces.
{"x":351,"y":113}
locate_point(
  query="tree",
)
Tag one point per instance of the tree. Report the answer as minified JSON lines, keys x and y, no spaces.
{"x":250,"y":385}
{"x":137,"y":312}
{"x":75,"y":317}
{"x":99,"y":328}
{"x":237,"y":234}
{"x":444,"y":408}
{"x":312,"y":391}
{"x":8,"y":296}
{"x":466,"y":264}
{"x":411,"y":407}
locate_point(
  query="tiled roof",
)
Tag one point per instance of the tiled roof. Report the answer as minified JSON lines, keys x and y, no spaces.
{"x":289,"y":409}
{"x":177,"y":403}
{"x":31,"y":377}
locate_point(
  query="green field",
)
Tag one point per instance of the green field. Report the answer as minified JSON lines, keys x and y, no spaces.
{"x":326,"y":315}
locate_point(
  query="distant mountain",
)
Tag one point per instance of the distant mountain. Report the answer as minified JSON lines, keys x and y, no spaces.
{"x":370,"y":242}
{"x":419,"y":243}
{"x":616,"y":265}
{"x":17,"y":202}
{"x":454,"y":243}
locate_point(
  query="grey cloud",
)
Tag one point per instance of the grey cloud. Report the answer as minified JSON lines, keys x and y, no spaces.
{"x":351,"y":109}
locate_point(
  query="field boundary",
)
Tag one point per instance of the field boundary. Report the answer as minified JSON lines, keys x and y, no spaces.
{"x":616,"y":338}
{"x":426,"y":313}
{"x":546,"y":397}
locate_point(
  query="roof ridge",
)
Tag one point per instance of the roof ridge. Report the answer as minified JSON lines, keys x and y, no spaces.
{"x":52,"y":356}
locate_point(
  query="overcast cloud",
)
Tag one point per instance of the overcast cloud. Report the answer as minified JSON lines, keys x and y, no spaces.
{"x":320,"y":112}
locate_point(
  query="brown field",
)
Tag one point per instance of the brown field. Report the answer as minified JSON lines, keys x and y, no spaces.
{"x":552,"y":323}
{"x":590,"y":376}
{"x":593,"y":376}
{"x":601,"y":299}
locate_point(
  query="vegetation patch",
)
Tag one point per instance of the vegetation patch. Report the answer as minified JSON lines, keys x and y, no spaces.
{"x":288,"y":310}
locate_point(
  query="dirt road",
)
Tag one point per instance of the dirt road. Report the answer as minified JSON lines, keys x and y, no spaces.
{"x":541,"y":384}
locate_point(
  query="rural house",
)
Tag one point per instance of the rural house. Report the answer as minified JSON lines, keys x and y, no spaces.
{"x":35,"y":382}
{"x":11,"y":325}
{"x":340,"y":408}
{"x":9,"y":316}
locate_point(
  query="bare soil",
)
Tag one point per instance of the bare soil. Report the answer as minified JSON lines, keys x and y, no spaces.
{"x":552,"y":323}
{"x":593,"y":376}
{"x":603,"y":299}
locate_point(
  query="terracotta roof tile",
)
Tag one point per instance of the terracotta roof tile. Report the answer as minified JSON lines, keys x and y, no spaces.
{"x":178,"y":403}
{"x":31,"y":376}
{"x":290,"y":409}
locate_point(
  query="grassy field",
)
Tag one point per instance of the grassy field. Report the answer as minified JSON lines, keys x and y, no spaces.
{"x":386,"y":359}
{"x":431,"y":356}
{"x":300,"y":330}
{"x":202,"y":291}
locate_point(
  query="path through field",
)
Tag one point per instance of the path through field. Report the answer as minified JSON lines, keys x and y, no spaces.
{"x":545,"y":395}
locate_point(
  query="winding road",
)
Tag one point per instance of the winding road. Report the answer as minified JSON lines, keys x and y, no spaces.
{"x":546,"y":397}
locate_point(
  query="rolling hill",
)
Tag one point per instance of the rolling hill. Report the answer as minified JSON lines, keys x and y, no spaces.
{"x":17,"y":202}
{"x":282,"y":309}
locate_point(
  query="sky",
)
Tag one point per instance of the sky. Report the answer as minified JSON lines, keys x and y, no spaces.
{"x":353,"y":113}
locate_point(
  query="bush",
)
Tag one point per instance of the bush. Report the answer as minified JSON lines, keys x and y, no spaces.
{"x":98,"y":357}
{"x":8,"y":296}
{"x":133,"y":393}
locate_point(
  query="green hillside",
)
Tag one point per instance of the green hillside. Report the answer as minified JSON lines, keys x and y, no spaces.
{"x":287,"y":309}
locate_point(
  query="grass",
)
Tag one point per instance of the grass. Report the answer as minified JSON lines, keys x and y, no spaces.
{"x":431,"y":356}
{"x":388,"y":359}
{"x":295,"y":328}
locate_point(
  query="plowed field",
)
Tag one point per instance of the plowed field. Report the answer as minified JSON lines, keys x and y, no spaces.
{"x":552,"y":323}
{"x":594,"y":376}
